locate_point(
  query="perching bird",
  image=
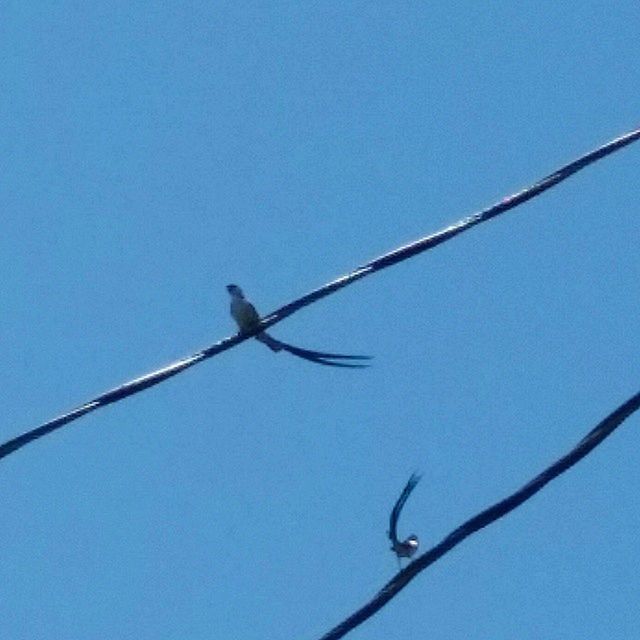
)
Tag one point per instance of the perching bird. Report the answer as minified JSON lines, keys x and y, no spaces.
{"x":247,"y":318}
{"x":405,"y":548}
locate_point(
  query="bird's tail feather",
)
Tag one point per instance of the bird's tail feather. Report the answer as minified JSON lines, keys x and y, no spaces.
{"x":319,"y":357}
{"x":270,"y":341}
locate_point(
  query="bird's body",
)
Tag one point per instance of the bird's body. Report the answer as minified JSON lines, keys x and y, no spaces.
{"x":406,"y":548}
{"x":242,"y":311}
{"x":247,"y":318}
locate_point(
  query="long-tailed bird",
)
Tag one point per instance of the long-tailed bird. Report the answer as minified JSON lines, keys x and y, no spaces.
{"x":247,"y":318}
{"x":405,"y":548}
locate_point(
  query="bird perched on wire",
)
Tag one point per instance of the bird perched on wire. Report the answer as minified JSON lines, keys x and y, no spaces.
{"x":247,"y":319}
{"x":405,"y":548}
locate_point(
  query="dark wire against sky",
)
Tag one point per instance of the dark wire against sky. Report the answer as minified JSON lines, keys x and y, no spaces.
{"x":496,"y":511}
{"x":388,"y":259}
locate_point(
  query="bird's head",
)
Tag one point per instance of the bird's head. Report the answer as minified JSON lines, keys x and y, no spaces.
{"x":235,"y":290}
{"x":412,"y":543}
{"x":412,"y":540}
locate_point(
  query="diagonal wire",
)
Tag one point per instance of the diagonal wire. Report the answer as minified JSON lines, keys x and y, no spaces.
{"x":498,"y":510}
{"x":388,"y":259}
{"x":429,"y":242}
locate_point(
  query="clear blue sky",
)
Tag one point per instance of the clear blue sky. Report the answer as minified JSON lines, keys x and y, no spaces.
{"x":152,"y":152}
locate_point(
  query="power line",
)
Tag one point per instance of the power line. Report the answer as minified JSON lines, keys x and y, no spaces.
{"x":388,"y":259}
{"x":496,"y":511}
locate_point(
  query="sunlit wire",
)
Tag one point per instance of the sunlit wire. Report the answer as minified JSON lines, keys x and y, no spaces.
{"x":388,"y":259}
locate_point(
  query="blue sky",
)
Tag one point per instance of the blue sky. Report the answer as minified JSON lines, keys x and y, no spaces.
{"x":154,"y":152}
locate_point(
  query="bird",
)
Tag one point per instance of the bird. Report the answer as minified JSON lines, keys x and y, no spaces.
{"x":405,"y":548}
{"x":248,"y":319}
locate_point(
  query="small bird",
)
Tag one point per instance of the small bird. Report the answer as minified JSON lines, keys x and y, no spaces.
{"x":247,"y":319}
{"x":405,"y":548}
